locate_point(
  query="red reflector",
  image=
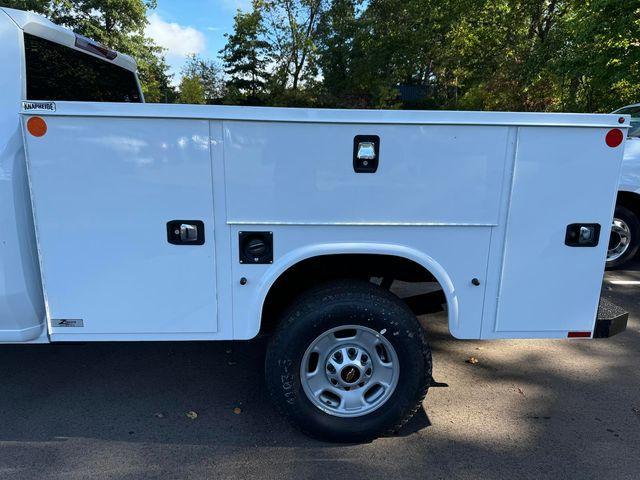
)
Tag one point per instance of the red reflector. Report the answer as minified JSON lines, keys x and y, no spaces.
{"x":579,"y":335}
{"x":36,"y":126}
{"x":614,"y":137}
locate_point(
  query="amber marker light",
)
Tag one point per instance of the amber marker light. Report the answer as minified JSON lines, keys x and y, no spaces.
{"x":36,"y":126}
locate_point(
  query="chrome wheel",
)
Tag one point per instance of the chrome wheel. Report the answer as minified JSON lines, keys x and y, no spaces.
{"x":619,"y":240}
{"x":349,"y":371}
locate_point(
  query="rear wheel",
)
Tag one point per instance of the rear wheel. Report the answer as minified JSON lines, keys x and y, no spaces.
{"x":348,"y":362}
{"x":625,"y":237}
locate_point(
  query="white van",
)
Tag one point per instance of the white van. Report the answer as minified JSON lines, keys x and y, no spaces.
{"x":125,"y":221}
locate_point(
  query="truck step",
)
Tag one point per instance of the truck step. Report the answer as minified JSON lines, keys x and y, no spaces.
{"x":611,"y":319}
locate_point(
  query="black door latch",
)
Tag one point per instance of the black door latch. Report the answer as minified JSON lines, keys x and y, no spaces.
{"x":582,"y":235}
{"x":185,"y":232}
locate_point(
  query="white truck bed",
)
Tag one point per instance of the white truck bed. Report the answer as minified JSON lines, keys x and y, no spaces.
{"x":464,"y":194}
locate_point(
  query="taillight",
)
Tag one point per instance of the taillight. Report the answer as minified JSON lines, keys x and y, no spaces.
{"x":94,"y":47}
{"x":614,"y":137}
{"x":579,"y":335}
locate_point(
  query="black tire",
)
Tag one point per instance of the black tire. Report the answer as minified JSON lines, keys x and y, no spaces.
{"x":335,"y":304}
{"x":632,"y":222}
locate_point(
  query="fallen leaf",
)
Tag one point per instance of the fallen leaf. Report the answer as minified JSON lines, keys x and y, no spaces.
{"x":237,"y":411}
{"x":192,"y":415}
{"x":472,"y":360}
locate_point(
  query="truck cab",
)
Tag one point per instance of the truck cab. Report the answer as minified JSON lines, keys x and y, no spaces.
{"x":41,"y":60}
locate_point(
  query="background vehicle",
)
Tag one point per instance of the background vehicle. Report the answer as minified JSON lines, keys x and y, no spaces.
{"x":129,"y":221}
{"x":625,"y":231}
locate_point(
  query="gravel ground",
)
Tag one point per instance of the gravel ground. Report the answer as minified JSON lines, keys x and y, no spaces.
{"x":527,"y":409}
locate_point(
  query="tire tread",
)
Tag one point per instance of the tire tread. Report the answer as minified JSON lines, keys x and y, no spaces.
{"x":345,"y":288}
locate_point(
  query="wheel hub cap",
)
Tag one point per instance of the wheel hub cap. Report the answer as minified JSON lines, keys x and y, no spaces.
{"x":349,"y":365}
{"x":349,"y":371}
{"x":350,"y":374}
{"x":619,"y":240}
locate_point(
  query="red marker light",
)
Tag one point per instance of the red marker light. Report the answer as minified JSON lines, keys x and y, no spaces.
{"x":614,"y":137}
{"x":579,"y":335}
{"x":36,"y":126}
{"x":94,"y":47}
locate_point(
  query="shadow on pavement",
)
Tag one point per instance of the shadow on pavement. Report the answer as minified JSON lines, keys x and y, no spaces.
{"x":528,"y":409}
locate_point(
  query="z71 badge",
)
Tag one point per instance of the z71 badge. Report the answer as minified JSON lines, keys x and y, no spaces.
{"x":67,"y":322}
{"x":39,"y":106}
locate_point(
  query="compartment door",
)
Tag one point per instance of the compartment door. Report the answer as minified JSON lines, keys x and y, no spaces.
{"x":562,"y":176}
{"x":104,"y":190}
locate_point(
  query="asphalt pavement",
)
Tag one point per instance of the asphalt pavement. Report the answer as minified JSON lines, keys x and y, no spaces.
{"x":525,"y":410}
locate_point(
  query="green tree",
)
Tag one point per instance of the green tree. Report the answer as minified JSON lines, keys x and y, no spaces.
{"x":39,"y":6}
{"x":599,"y":64}
{"x":292,"y":30}
{"x":245,"y":56}
{"x":191,"y":91}
{"x":209,"y":74}
{"x":110,"y":22}
{"x":152,"y":70}
{"x":339,"y":52}
{"x":502,"y":54}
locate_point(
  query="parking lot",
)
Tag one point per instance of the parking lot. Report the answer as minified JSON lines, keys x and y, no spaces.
{"x":526,"y":409}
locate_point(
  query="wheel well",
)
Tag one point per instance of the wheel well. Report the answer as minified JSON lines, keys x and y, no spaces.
{"x":378,"y":268}
{"x":630,"y":200}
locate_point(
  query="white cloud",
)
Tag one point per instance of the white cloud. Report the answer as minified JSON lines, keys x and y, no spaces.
{"x":178,"y":40}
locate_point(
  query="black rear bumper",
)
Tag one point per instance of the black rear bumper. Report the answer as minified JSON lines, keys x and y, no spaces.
{"x":611,"y":319}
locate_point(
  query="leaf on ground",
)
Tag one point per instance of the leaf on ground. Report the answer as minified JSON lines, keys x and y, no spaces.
{"x":192,"y":415}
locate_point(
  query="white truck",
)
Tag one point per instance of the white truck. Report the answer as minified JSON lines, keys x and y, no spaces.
{"x":625,"y":230}
{"x":125,"y":221}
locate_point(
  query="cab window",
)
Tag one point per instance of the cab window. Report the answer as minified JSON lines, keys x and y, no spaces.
{"x":57,"y":72}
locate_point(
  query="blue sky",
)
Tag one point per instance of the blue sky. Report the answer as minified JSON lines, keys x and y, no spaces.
{"x":192,"y":26}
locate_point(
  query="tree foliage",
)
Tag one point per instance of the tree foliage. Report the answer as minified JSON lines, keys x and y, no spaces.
{"x":292,"y":28}
{"x":551,"y":55}
{"x":191,"y":90}
{"x":246,"y":56}
{"x":210,"y":76}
